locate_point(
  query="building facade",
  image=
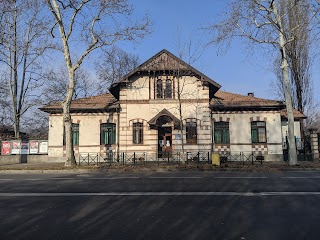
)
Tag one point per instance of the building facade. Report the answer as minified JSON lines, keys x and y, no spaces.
{"x":166,"y":106}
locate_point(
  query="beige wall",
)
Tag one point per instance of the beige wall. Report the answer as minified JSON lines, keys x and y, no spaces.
{"x":138,"y":104}
{"x":240,"y":131}
{"x":190,"y":88}
{"x":89,"y":132}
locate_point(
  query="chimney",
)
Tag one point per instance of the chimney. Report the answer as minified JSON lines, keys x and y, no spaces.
{"x":251,"y":94}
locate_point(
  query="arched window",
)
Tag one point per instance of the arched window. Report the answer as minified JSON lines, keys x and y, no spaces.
{"x":168,"y":91}
{"x":159,"y":89}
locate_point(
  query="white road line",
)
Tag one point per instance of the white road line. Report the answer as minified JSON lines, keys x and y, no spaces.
{"x":113,"y":178}
{"x":174,"y":177}
{"x":242,"y":177}
{"x":61,"y":178}
{"x":302,"y":177}
{"x":243,"y":194}
{"x":6,"y":179}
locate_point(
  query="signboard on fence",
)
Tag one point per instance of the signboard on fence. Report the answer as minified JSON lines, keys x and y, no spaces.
{"x":15,"y":147}
{"x":33,"y":147}
{"x":24,"y":148}
{"x":43,"y":147}
{"x":6,"y":148}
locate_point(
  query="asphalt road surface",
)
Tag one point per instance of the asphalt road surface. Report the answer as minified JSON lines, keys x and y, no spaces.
{"x":199,"y":205}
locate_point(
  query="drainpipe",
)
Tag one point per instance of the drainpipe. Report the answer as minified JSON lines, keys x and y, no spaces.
{"x":118,"y":131}
{"x":211,"y":130}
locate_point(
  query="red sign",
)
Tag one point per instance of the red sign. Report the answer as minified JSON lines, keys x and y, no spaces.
{"x":6,"y":148}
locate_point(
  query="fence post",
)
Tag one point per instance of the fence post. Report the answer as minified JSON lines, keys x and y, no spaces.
{"x":208,"y":157}
{"x":252,"y":158}
{"x":134,"y":158}
{"x":123,"y":158}
{"x":242,"y":158}
{"x":88,"y":159}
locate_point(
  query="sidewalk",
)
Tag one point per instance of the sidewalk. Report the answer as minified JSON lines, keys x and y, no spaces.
{"x":56,"y":168}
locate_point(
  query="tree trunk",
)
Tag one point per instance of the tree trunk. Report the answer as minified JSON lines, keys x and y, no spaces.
{"x":70,"y":161}
{"x":292,"y":158}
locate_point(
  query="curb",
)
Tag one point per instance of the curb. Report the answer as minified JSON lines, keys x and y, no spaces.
{"x":159,"y":170}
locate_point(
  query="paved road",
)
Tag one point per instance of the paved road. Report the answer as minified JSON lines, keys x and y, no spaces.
{"x":199,"y":205}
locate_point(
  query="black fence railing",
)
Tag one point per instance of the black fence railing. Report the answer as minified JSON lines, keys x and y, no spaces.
{"x":241,"y":157}
{"x":143,"y":158}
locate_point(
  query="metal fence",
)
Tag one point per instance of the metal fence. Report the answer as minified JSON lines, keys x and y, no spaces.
{"x":241,"y":157}
{"x":143,"y":158}
{"x":304,"y":152}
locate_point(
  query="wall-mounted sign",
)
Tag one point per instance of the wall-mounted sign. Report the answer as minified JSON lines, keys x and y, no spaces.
{"x":15,"y":147}
{"x":43,"y":147}
{"x":33,"y":147}
{"x":178,"y":136}
{"x":6,"y":148}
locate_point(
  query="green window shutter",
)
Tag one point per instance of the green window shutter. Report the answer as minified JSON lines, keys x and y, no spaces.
{"x":217,"y":136}
{"x":254,"y":135}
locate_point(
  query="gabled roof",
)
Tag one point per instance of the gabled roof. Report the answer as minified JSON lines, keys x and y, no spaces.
{"x":232,"y":101}
{"x":227,"y":100}
{"x":296,"y":114}
{"x":163,"y":61}
{"x":164,"y":112}
{"x":99,"y":102}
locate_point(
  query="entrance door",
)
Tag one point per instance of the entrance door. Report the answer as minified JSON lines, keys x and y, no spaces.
{"x":168,"y":143}
{"x":164,"y":141}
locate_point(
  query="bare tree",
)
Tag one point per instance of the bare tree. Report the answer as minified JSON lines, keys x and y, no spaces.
{"x":190,"y":52}
{"x":113,"y":64}
{"x":84,"y":26}
{"x":5,"y":109}
{"x":56,"y":84}
{"x":23,"y":43}
{"x":298,"y":57}
{"x":264,"y":22}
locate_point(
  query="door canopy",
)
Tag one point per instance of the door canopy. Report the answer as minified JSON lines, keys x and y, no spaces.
{"x":163,"y":119}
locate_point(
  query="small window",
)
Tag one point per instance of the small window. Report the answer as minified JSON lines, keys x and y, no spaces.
{"x":138,"y":133}
{"x":107,"y":133}
{"x":258,"y":132}
{"x":159,"y":89}
{"x":75,"y":133}
{"x":221,"y":132}
{"x":168,"y":90}
{"x":191,"y":132}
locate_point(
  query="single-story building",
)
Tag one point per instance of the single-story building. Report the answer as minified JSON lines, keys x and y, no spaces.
{"x":167,"y":106}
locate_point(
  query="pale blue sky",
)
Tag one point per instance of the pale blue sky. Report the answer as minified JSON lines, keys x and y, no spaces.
{"x":236,"y":70}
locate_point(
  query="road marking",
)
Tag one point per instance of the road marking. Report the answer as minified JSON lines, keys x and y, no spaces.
{"x":243,"y":177}
{"x":61,"y":178}
{"x":113,"y":178}
{"x":6,"y":179}
{"x":243,"y":194}
{"x":303,"y":177}
{"x":175,"y":177}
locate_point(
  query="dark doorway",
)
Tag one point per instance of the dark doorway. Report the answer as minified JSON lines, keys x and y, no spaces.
{"x":164,"y":141}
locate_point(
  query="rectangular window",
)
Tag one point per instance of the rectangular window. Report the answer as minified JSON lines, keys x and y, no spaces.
{"x":75,"y":133}
{"x":137,"y":133}
{"x":159,"y":89}
{"x":107,"y":133}
{"x":191,"y":132}
{"x":258,"y":132}
{"x":221,"y":132}
{"x":168,"y":90}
